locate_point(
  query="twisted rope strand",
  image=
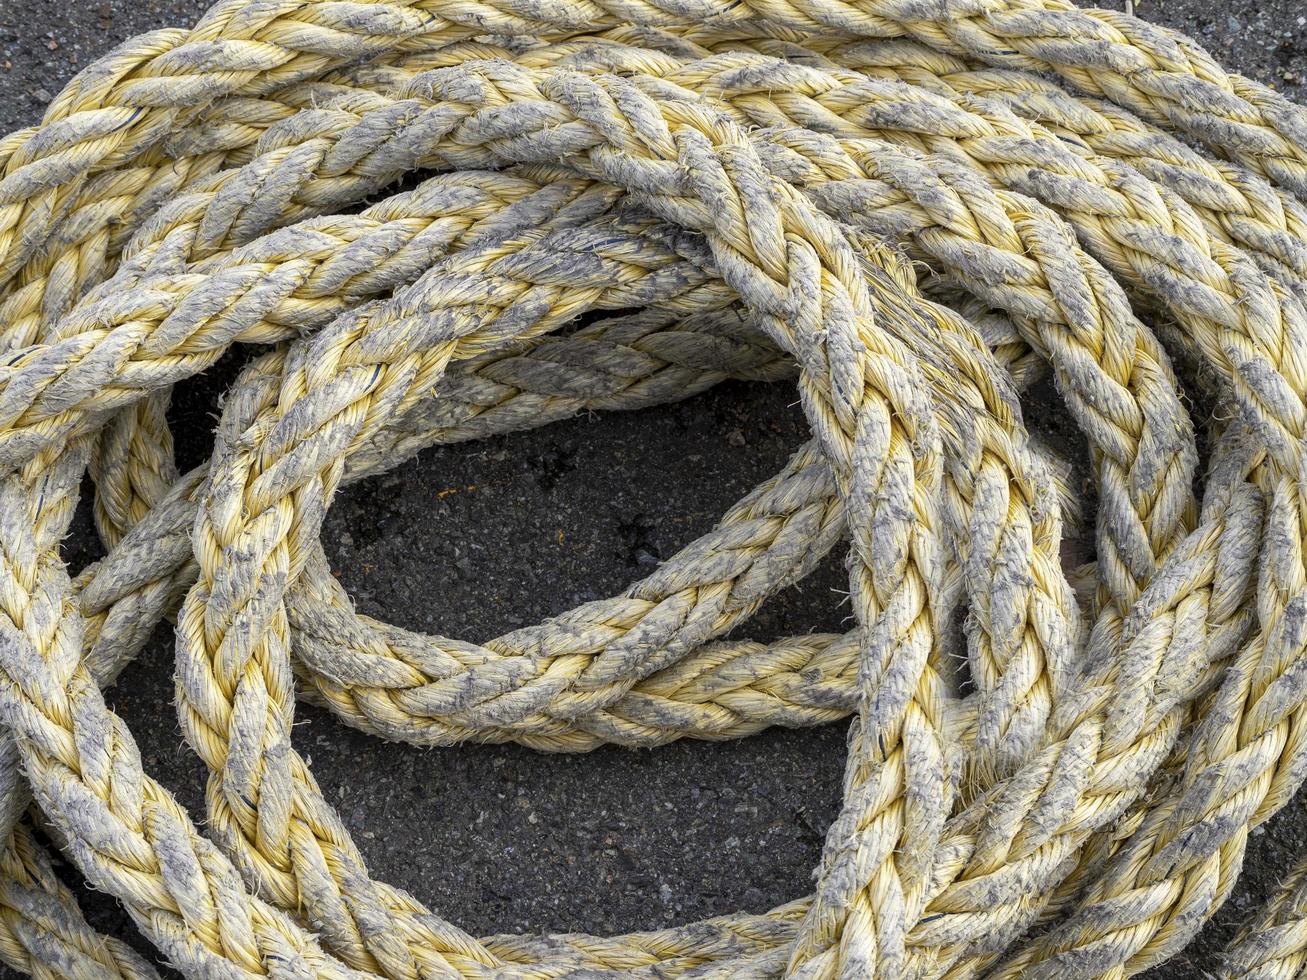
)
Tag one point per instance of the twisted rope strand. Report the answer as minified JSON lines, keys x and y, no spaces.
{"x":121,"y":104}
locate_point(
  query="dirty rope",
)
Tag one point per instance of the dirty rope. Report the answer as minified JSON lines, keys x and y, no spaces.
{"x":909,"y":209}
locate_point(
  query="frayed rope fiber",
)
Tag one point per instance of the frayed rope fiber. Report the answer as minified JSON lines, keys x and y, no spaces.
{"x":909,"y":209}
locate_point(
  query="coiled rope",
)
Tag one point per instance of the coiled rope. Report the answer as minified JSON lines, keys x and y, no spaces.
{"x":762,"y":184}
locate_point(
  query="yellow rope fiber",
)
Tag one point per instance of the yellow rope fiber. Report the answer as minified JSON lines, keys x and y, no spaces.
{"x":908,"y":209}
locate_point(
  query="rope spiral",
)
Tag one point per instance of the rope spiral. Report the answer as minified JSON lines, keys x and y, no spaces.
{"x":909,"y":209}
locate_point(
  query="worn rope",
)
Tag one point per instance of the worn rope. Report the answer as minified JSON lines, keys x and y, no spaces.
{"x":890,"y":206}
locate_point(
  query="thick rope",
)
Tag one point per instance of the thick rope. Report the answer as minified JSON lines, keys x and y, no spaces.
{"x":762,"y":183}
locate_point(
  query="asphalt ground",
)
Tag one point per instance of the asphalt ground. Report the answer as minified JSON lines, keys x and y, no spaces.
{"x":473,"y":540}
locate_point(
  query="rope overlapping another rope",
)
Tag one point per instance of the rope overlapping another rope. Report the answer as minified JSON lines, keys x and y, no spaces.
{"x":907,"y":209}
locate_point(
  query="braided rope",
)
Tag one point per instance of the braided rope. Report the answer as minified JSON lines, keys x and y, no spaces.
{"x":744,"y":176}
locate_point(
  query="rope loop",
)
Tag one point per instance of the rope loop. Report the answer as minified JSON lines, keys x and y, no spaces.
{"x":910,"y":210}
